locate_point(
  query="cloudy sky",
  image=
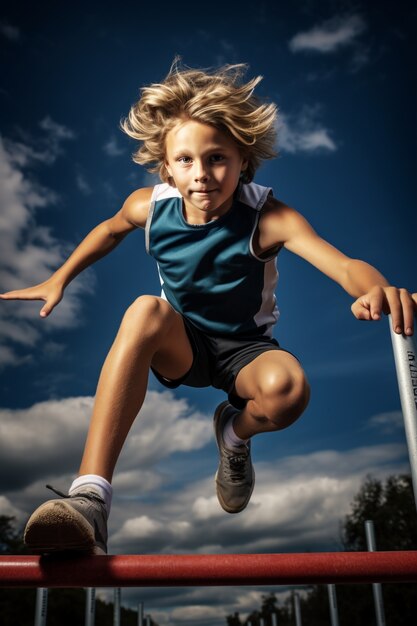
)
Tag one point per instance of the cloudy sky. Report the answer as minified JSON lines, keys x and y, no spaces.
{"x":343,"y":76}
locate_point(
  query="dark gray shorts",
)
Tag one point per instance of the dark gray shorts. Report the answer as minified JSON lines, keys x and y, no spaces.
{"x":218,"y":360}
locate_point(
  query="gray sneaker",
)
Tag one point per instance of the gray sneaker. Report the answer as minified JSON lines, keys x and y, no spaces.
{"x":235,"y":477}
{"x":77,"y":522}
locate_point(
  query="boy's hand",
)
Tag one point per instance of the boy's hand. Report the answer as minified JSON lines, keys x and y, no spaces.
{"x":399,"y":302}
{"x":50,"y":291}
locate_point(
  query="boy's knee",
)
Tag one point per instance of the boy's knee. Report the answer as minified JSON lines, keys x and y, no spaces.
{"x":150,"y":311}
{"x":284,"y":395}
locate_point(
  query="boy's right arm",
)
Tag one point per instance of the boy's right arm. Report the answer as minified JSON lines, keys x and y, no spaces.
{"x":99,"y":242}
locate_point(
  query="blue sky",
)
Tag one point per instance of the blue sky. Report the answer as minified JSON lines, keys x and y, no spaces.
{"x":343,"y":77}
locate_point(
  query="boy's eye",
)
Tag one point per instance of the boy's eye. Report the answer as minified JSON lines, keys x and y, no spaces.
{"x":214,"y":158}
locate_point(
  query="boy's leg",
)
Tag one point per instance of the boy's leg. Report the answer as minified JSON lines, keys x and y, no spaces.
{"x":277,"y":392}
{"x":151,"y":333}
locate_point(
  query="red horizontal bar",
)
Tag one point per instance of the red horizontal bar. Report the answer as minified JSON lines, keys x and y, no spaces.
{"x":207,"y":570}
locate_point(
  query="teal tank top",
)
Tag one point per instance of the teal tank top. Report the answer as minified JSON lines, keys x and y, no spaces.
{"x":209,"y":272}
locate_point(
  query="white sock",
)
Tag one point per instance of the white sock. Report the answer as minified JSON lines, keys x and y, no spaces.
{"x":231,"y":440}
{"x":98,"y":483}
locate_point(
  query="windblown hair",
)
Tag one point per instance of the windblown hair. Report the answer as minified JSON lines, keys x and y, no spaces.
{"x":215,"y":97}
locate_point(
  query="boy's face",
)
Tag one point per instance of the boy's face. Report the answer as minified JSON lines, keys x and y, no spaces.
{"x":205,"y":164}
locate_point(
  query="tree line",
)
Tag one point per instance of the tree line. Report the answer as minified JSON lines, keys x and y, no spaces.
{"x":391,"y":506}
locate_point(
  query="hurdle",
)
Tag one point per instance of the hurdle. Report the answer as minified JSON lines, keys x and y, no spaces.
{"x":236,"y":569}
{"x":208,"y":570}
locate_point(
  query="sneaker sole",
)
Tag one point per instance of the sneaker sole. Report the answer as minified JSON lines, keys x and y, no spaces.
{"x":223,"y":504}
{"x":57,"y":527}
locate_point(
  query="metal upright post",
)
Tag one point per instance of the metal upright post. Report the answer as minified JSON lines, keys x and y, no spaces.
{"x":376,"y":587}
{"x":404,"y":348}
{"x":262,"y":622}
{"x":274,"y":619}
{"x":334,"y":615}
{"x":90,"y":606}
{"x":116,"y":607}
{"x":140,"y":614}
{"x":41,"y":606}
{"x":148,"y":620}
{"x":297,"y":609}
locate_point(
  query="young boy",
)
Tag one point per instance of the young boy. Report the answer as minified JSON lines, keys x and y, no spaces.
{"x":215,"y":236}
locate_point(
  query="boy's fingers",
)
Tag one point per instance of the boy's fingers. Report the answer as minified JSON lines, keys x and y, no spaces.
{"x":375,"y":303}
{"x":394,"y":309}
{"x":48,"y":307}
{"x":408,"y":308}
{"x":45,"y":310}
{"x":21,"y":294}
{"x":360,"y":310}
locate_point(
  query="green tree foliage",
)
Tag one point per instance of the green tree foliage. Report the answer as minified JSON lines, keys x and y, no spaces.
{"x":391,"y":507}
{"x":10,"y":539}
{"x":269,"y":607}
{"x":233,"y":620}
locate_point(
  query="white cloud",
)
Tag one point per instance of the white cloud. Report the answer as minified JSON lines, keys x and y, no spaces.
{"x":48,"y":437}
{"x":330,"y":35}
{"x":388,"y":422}
{"x":297,"y":503}
{"x":83,"y":185}
{"x":29,"y":252}
{"x":189,"y":614}
{"x":166,"y":425}
{"x":45,"y":149}
{"x":7,"y":508}
{"x":304,"y":133}
{"x":111,"y":148}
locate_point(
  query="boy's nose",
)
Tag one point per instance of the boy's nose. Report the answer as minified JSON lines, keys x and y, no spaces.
{"x":200,"y":172}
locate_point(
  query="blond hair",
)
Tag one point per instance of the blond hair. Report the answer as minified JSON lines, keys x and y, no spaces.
{"x":215,"y":97}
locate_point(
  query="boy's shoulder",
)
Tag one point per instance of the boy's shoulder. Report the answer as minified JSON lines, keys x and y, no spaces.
{"x":136,"y":207}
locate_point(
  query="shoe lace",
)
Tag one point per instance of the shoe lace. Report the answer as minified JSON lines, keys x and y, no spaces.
{"x":90,"y":495}
{"x":235,"y":469}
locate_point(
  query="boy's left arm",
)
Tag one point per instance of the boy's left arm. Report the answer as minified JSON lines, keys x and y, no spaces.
{"x":374,"y":294}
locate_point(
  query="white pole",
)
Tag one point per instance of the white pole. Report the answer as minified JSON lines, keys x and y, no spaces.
{"x":90,"y":606}
{"x":140,"y":614}
{"x":274,"y":619}
{"x":117,"y":602}
{"x":262,"y":622}
{"x":405,"y":357}
{"x":376,"y":587}
{"x":334,"y":616}
{"x":148,"y":620}
{"x":41,"y":606}
{"x":297,"y":609}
